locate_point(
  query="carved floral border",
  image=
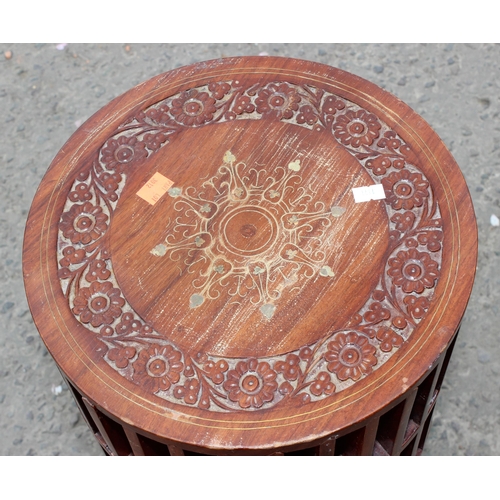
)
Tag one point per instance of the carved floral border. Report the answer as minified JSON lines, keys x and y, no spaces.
{"x":338,"y":360}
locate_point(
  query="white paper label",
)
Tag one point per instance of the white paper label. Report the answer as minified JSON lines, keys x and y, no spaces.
{"x":367,"y":193}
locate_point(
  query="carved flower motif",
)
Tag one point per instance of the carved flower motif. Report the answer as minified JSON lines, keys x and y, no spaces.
{"x":306,"y":353}
{"x":189,"y":391}
{"x":399,"y":322}
{"x":285,"y":388}
{"x":369,"y":332}
{"x":389,"y":141}
{"x":107,"y":331}
{"x":290,"y":367}
{"x":215,"y":371}
{"x":128,"y":324}
{"x":193,"y":107}
{"x":83,"y":223}
{"x":389,"y":339}
{"x":331,"y":105}
{"x":356,"y":128}
{"x":158,"y":367}
{"x":118,"y":153}
{"x":404,"y":221}
{"x":376,"y":313}
{"x":432,"y":239}
{"x":405,"y":189}
{"x":121,"y":357}
{"x":98,"y":304}
{"x":243,"y":104}
{"x":411,"y":243}
{"x":350,"y":356}
{"x":158,"y":115}
{"x":97,"y":271}
{"x":323,"y":385}
{"x":417,"y":306}
{"x":413,"y":270}
{"x":109,"y":181}
{"x":251,"y":384}
{"x":81,"y":193}
{"x":154,"y":141}
{"x":307,"y":115}
{"x":219,"y":90}
{"x":71,"y":256}
{"x":278,"y":100}
{"x":394,"y":236}
{"x":379,"y":165}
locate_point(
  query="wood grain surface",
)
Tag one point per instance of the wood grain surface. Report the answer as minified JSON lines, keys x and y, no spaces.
{"x":249,"y":302}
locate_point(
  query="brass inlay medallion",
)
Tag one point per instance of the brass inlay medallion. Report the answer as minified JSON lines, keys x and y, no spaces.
{"x":254,"y":231}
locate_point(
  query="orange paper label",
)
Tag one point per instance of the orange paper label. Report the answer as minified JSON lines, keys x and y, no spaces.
{"x":155,"y":188}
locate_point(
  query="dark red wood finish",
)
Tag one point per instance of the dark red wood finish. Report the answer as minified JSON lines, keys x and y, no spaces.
{"x":256,"y":307}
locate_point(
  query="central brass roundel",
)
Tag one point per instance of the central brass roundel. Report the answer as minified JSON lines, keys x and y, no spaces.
{"x":248,"y":230}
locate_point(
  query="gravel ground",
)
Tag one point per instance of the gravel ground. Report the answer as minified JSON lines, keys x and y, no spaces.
{"x":48,"y":90}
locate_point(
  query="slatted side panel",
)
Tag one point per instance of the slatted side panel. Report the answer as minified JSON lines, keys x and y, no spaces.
{"x":400,"y":430}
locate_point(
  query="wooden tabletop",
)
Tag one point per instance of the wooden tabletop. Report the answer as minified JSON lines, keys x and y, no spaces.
{"x":250,"y":253}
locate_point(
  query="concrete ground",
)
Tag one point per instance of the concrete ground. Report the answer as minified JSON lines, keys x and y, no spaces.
{"x":48,"y":90}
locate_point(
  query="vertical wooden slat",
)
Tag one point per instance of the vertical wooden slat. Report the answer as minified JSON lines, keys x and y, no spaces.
{"x":107,"y":436}
{"x":446,"y":361}
{"x":403,"y":422}
{"x":410,"y":449}
{"x":328,"y":447}
{"x":369,"y":437}
{"x":437,"y":377}
{"x":99,"y":424}
{"x":175,"y":451}
{"x":135,"y":443}
{"x":430,"y":400}
{"x":423,"y":434}
{"x":77,"y":397}
{"x":111,"y":432}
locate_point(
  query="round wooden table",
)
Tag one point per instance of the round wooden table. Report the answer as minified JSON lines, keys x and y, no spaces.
{"x":252,"y":255}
